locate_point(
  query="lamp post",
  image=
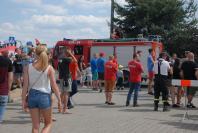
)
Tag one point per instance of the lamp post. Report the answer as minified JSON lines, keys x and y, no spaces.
{"x":112,"y":17}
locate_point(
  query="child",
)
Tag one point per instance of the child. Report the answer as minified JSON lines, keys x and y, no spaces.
{"x":88,"y":75}
{"x":120,"y":78}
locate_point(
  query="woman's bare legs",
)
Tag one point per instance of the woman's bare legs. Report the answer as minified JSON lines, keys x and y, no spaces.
{"x":47,"y":115}
{"x":35,"y":115}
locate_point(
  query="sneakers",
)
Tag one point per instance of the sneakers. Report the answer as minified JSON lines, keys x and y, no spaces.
{"x":111,"y":103}
{"x":150,"y":93}
{"x":190,"y":105}
{"x":100,"y":90}
{"x":175,"y":106}
{"x":70,"y":106}
{"x":127,"y":103}
{"x":84,"y":86}
{"x":136,"y":105}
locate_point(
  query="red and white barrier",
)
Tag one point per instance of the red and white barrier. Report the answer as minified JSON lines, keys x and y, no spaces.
{"x":185,"y":83}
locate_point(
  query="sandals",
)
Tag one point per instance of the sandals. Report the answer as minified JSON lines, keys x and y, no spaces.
{"x":59,"y":108}
{"x":65,"y":111}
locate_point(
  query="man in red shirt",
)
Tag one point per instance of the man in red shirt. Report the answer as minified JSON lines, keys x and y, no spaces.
{"x":136,"y":69}
{"x":75,"y":72}
{"x":110,"y":79}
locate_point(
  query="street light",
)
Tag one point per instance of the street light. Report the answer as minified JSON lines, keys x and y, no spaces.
{"x":112,"y":18}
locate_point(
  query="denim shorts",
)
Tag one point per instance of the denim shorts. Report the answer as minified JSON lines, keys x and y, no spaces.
{"x":38,"y":99}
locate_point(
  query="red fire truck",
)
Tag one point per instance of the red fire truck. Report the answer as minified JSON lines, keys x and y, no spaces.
{"x":123,"y":49}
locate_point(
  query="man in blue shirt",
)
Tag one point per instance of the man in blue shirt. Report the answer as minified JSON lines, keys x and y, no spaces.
{"x":94,"y":70}
{"x":100,"y":64}
{"x":150,"y":67}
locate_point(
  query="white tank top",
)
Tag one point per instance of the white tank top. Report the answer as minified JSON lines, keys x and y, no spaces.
{"x":43,"y":83}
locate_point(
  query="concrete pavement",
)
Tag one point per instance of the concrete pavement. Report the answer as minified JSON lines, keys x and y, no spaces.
{"x":91,"y":115}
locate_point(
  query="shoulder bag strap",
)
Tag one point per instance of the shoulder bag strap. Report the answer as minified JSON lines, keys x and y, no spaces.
{"x":37,"y":79}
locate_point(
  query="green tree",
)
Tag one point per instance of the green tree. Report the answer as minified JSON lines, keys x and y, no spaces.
{"x":174,"y":20}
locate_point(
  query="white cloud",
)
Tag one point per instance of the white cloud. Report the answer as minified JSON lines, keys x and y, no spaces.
{"x":51,"y":23}
{"x":53,"y":9}
{"x":73,"y":20}
{"x":44,"y":9}
{"x":74,"y":2}
{"x":27,"y":11}
{"x":35,"y":2}
{"x":47,"y":19}
{"x":51,"y":28}
{"x":88,"y":4}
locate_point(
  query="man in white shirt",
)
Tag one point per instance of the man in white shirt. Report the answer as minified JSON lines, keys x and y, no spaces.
{"x":161,"y":69}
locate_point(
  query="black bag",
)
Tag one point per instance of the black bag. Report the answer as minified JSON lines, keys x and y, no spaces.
{"x":66,"y":83}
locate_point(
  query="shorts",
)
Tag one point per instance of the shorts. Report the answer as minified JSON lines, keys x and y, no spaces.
{"x":101,"y":75}
{"x":38,"y":99}
{"x":191,"y":90}
{"x":94,"y":75}
{"x":109,"y":85}
{"x":89,"y":78}
{"x":150,"y":75}
{"x":18,"y":75}
{"x":82,"y":77}
{"x":65,"y":85}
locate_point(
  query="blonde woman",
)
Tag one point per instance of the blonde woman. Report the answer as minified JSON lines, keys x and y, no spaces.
{"x":38,"y":79}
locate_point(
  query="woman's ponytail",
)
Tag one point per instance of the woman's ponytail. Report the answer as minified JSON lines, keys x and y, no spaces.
{"x":41,"y":52}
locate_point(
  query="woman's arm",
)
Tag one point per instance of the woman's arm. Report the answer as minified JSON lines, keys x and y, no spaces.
{"x":25,"y":87}
{"x":54,"y":86}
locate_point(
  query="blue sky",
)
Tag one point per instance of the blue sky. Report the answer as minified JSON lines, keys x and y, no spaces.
{"x":52,"y":20}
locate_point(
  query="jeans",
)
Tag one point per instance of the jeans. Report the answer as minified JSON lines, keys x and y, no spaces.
{"x":3,"y":103}
{"x":135,"y":87}
{"x":74,"y":91}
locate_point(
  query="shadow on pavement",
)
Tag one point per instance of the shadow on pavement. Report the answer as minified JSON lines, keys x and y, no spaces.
{"x":16,"y":122}
{"x":22,"y":117}
{"x":136,"y":110}
{"x":99,"y":104}
{"x":182,"y":125}
{"x":14,"y":104}
{"x":13,"y":108}
{"x":191,"y":117}
{"x":110,"y":106}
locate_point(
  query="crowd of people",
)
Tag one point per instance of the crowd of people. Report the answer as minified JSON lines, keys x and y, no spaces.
{"x":35,"y":74}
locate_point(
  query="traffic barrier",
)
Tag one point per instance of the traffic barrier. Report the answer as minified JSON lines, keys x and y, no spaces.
{"x":185,"y":84}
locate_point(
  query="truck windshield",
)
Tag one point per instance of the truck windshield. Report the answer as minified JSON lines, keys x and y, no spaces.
{"x":78,"y":50}
{"x":59,"y":52}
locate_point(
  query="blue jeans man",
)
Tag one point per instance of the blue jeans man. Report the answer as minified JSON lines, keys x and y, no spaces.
{"x":3,"y":104}
{"x":133,"y":87}
{"x":73,"y":92}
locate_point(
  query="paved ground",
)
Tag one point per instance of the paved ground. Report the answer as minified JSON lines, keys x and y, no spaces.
{"x":91,"y":115}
